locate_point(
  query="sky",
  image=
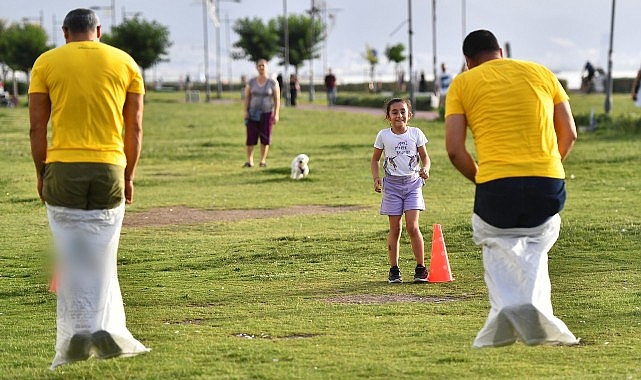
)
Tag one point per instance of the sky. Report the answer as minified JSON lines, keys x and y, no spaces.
{"x":561,"y":34}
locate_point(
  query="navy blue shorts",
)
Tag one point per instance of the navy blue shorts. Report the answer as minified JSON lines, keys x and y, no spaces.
{"x":519,"y":201}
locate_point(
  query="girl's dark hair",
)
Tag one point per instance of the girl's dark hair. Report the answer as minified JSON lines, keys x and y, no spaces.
{"x":389,"y":103}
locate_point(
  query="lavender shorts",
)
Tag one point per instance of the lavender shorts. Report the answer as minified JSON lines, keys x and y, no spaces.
{"x":401,"y":194}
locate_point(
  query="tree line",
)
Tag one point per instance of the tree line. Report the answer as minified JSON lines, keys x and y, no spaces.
{"x":148,"y":43}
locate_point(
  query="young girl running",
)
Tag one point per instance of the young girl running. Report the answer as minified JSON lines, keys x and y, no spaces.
{"x":406,"y":168}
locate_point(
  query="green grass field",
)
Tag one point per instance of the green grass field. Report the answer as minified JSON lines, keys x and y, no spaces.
{"x":288,"y":297}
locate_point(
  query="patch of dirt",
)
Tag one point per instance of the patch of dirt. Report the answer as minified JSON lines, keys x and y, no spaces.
{"x":168,"y":216}
{"x":377,"y":299}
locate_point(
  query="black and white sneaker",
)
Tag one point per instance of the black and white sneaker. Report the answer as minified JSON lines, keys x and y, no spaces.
{"x":79,"y":347}
{"x":420,"y":274}
{"x":394,"y":276}
{"x":105,"y":344}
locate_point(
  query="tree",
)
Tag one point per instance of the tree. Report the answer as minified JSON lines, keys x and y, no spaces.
{"x":395,"y":54}
{"x":21,"y":45}
{"x":371,"y":55}
{"x":256,"y":40}
{"x":301,"y":33}
{"x":146,"y":42}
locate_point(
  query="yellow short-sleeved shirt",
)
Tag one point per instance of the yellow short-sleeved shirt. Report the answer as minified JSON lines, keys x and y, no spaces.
{"x":509,"y":107}
{"x":87,"y":83}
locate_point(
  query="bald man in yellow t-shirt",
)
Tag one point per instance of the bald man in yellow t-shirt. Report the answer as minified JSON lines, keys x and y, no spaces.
{"x":91,"y":93}
{"x":522,"y":125}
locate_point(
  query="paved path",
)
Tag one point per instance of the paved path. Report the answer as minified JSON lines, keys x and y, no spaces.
{"x":429,"y":115}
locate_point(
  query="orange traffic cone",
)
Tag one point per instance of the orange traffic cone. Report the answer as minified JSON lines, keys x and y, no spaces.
{"x":439,"y":264}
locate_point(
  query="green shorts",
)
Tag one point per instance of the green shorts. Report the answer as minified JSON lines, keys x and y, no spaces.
{"x":85,"y":186}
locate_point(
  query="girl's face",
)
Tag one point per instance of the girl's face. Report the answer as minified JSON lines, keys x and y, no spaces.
{"x":398,"y":114}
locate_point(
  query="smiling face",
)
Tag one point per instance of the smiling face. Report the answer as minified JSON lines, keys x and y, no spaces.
{"x":398,"y":114}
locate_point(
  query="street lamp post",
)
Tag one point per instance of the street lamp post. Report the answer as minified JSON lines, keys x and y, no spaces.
{"x":434,"y":60}
{"x":126,"y":14}
{"x":228,"y":44}
{"x":219,"y":84}
{"x":206,"y":56}
{"x":312,"y":12}
{"x":608,"y":95}
{"x":40,"y":20}
{"x":410,"y":32}
{"x":286,"y":54}
{"x":111,"y":8}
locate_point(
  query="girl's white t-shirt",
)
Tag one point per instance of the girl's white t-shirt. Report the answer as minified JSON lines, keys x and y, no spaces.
{"x":401,"y":151}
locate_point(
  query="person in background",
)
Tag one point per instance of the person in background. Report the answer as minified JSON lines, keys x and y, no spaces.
{"x":587,"y":78}
{"x":294,"y":89}
{"x":330,"y":88}
{"x":443,"y":84}
{"x":262,"y":109}
{"x":406,"y":167}
{"x":635,"y":89}
{"x":521,"y":121}
{"x":243,"y":84}
{"x":85,"y":177}
{"x":279,"y":79}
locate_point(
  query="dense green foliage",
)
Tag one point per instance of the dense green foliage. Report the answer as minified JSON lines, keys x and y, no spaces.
{"x":290,"y":296}
{"x":266,"y":40}
{"x":147,"y":42}
{"x":21,"y":45}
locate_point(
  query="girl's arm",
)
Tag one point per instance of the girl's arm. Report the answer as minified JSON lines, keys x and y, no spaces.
{"x":426,"y":162}
{"x":375,"y":165}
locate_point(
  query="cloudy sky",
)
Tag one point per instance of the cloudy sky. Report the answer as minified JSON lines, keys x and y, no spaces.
{"x":561,"y":34}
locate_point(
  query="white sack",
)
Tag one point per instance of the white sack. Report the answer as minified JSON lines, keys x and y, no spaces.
{"x":89,"y":298}
{"x":516,"y":273}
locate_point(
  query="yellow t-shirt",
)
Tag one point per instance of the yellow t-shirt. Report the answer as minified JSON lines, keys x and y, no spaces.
{"x":87,"y":83}
{"x":509,"y":107}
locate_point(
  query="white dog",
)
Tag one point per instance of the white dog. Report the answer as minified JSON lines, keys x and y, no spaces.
{"x":300,"y":169}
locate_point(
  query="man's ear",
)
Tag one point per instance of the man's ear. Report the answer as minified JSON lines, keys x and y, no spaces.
{"x":98,"y":31}
{"x":65,"y":33}
{"x":469,"y":62}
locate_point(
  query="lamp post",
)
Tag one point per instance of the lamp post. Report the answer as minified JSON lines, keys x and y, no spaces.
{"x":111,"y":8}
{"x":312,"y":13}
{"x":434,"y":60}
{"x":410,"y":32}
{"x":40,"y":20}
{"x":608,"y":94}
{"x":126,"y":14}
{"x":54,"y":29}
{"x":219,"y":84}
{"x":206,"y":49}
{"x":228,"y":43}
{"x":286,"y":54}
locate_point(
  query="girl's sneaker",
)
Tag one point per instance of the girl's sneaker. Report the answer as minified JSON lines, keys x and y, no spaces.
{"x":420,"y":274}
{"x":394,"y":276}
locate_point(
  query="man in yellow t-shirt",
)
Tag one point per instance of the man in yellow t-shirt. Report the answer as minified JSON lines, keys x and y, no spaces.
{"x":522,"y":125}
{"x":91,"y":93}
